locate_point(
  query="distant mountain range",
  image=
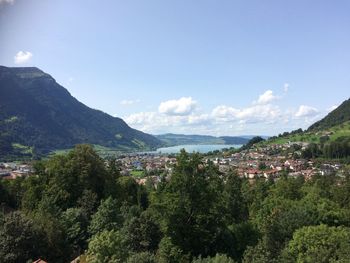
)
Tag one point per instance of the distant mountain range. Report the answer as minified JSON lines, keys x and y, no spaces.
{"x":37,"y":115}
{"x":171,"y":139}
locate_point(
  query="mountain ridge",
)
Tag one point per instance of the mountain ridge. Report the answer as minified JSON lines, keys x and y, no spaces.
{"x":338,"y":116}
{"x":37,"y":112}
{"x":172,"y":139}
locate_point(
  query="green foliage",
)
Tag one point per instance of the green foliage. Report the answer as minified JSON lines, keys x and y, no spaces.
{"x":168,"y":252}
{"x":142,"y":257}
{"x":20,"y":240}
{"x":107,"y":217}
{"x":74,"y":225}
{"x":128,"y":190}
{"x":319,"y":244}
{"x":217,"y":259}
{"x":143,"y":232}
{"x":79,"y":203}
{"x":252,"y":141}
{"x":331,"y":150}
{"x":191,"y":206}
{"x":257,"y":254}
{"x":107,"y":246}
{"x":237,"y":210}
{"x":88,"y":202}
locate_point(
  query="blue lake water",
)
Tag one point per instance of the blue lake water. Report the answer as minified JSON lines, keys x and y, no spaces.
{"x":196,"y":148}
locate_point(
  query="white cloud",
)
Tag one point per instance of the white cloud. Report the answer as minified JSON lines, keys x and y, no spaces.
{"x":286,"y":87}
{"x":129,"y":102}
{"x":266,"y":98}
{"x":306,"y":111}
{"x":7,"y":2}
{"x":255,"y":113}
{"x":153,"y":121}
{"x":22,"y":57}
{"x":199,"y":119}
{"x":186,"y":116}
{"x":180,"y":107}
{"x":225,"y":113}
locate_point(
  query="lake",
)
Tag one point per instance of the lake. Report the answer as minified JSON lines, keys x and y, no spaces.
{"x":196,"y":148}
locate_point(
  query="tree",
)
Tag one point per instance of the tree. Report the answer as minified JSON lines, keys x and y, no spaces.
{"x":191,"y":206}
{"x":74,"y":225}
{"x":128,"y":190}
{"x":168,"y":252}
{"x":107,"y":217}
{"x":142,"y":257}
{"x":321,"y":244}
{"x":88,"y":202}
{"x":57,"y":248}
{"x":257,"y":254}
{"x":112,"y":175}
{"x":107,"y":246}
{"x":236,"y":207}
{"x":218,"y":258}
{"x":32,"y":194}
{"x":70,"y":175}
{"x":19,"y":239}
{"x":143,"y":233}
{"x":252,"y":141}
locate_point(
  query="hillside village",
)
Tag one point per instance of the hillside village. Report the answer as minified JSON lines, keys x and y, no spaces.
{"x":269,"y":162}
{"x":263,"y":161}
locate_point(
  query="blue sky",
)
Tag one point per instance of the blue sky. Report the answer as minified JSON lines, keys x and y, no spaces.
{"x":220,"y":67}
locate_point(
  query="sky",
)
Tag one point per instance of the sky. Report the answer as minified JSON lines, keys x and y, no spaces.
{"x":218,"y":67}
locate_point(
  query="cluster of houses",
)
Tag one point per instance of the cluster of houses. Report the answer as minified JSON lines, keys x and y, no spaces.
{"x":14,"y":170}
{"x":269,"y":161}
{"x":148,"y":164}
{"x":272,"y":161}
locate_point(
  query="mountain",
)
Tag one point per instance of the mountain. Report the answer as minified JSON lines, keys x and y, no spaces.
{"x":171,"y":139}
{"x":336,"y":117}
{"x":335,"y":127}
{"x":37,"y":114}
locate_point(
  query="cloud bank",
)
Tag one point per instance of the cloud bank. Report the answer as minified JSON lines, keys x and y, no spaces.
{"x":183,"y":115}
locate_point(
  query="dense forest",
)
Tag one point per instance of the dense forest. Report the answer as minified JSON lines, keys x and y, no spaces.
{"x":78,"y":204}
{"x":338,"y":149}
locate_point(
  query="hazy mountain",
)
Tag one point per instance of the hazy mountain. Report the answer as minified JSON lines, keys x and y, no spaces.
{"x":36,"y":113}
{"x":171,"y":139}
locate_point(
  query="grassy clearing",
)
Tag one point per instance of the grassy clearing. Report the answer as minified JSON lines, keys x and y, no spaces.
{"x":23,"y":148}
{"x":137,"y":173}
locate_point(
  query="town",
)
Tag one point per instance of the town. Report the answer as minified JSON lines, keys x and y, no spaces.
{"x":263,"y":161}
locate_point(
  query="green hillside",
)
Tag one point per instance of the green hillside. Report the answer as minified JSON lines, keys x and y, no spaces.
{"x":37,"y":115}
{"x":330,"y":134}
{"x":336,"y":117}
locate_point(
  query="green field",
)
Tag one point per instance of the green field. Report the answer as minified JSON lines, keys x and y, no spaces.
{"x":101,"y":150}
{"x":137,"y":173}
